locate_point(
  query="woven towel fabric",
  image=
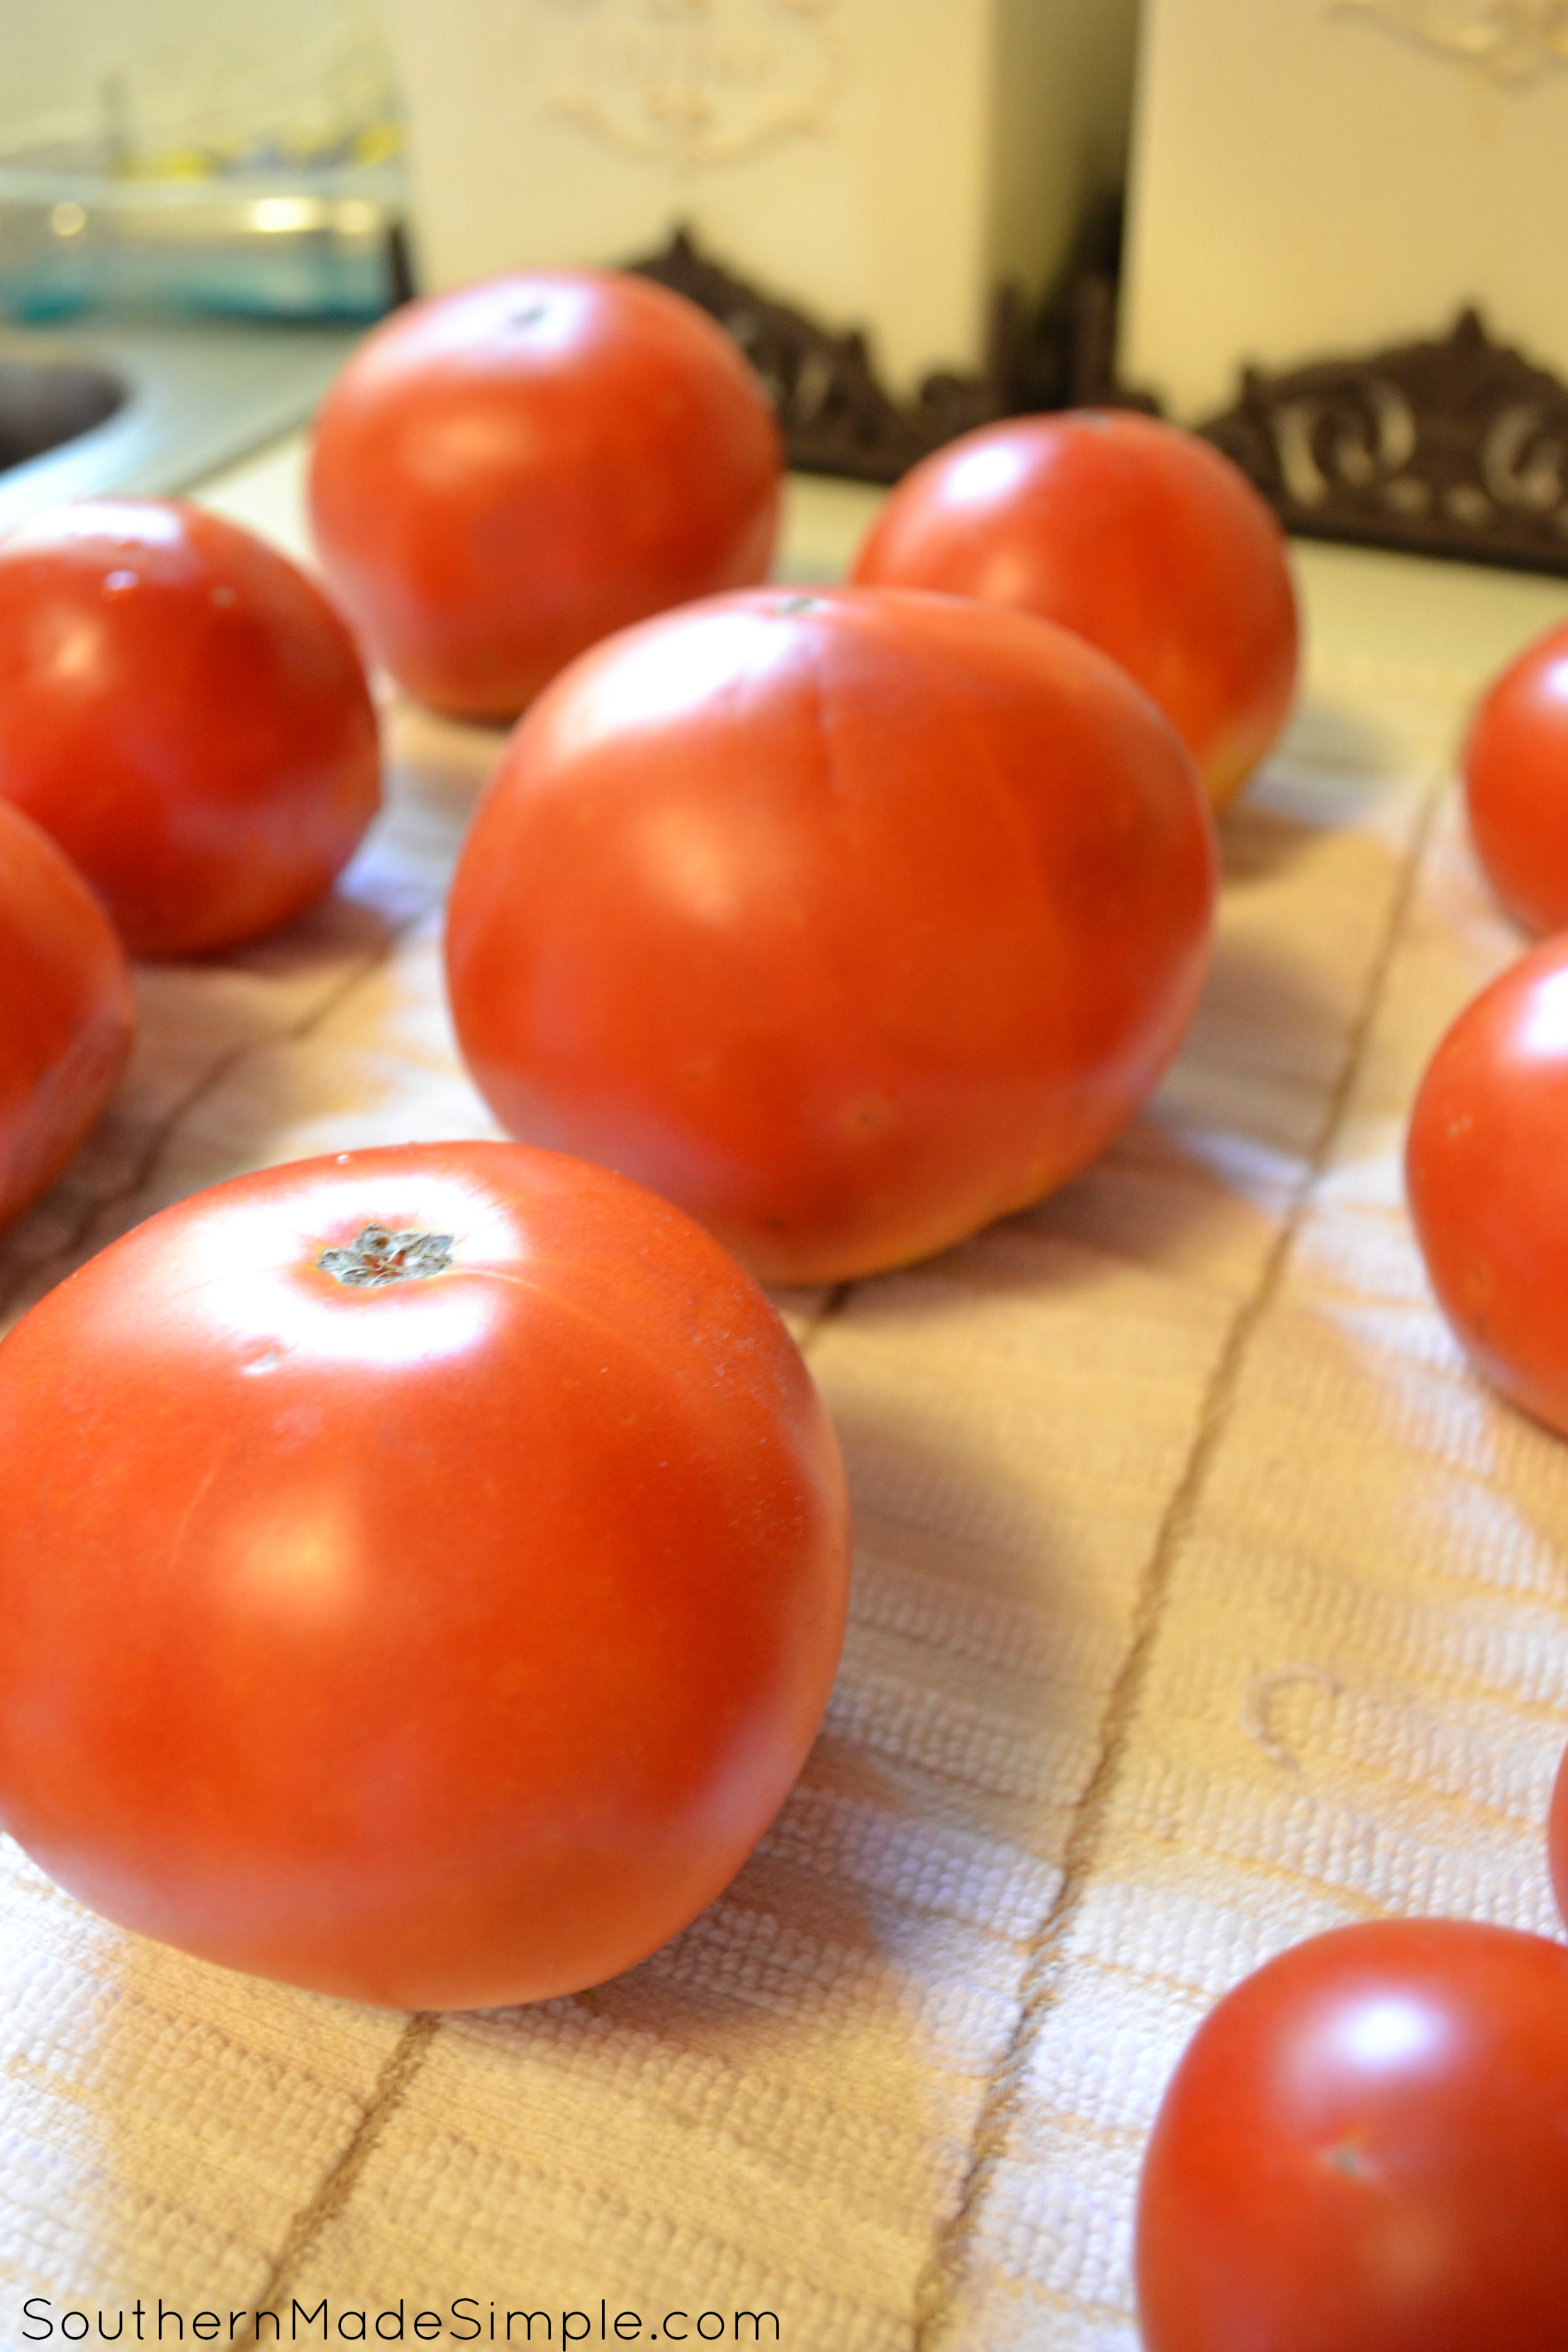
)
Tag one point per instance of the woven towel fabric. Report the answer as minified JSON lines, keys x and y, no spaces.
{"x":1202,"y":1599}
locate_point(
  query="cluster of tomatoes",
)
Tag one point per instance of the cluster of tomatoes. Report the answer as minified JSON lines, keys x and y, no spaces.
{"x":1365,"y":2147}
{"x":1486,"y":1170}
{"x":834,"y":922}
{"x":425,"y":1569}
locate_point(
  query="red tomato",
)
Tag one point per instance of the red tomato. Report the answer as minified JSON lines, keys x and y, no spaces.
{"x":1487,"y":1180}
{"x":423,"y":1573}
{"x":1516,"y":784}
{"x":68,"y":1016}
{"x":183,"y":709}
{"x":504,"y":474}
{"x":1142,"y":539}
{"x":849,"y":921}
{"x":1366,"y":2149}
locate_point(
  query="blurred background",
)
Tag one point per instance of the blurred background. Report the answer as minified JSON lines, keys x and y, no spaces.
{"x":199,"y":153}
{"x":915,"y":214}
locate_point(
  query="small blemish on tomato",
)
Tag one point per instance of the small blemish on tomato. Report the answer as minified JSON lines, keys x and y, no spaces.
{"x":1480,"y":1279}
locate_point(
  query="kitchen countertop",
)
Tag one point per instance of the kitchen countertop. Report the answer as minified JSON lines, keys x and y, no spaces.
{"x":1203,"y":1599}
{"x":197,"y":394}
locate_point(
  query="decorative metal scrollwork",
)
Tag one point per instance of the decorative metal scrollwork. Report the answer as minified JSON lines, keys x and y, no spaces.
{"x":1454,"y":447}
{"x":836,"y":417}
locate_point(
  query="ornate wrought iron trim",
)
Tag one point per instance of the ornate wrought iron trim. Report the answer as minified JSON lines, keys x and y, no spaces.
{"x":836,"y":417}
{"x":1456,"y":448}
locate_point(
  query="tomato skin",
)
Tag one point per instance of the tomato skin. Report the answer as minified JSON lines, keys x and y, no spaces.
{"x":443,"y":1643}
{"x":1488,"y":1182}
{"x":504,"y":474}
{"x":186,"y":715}
{"x":1515,"y":766}
{"x":1366,"y":2149}
{"x":1131,"y":533}
{"x":849,"y":921}
{"x":69,"y":1013}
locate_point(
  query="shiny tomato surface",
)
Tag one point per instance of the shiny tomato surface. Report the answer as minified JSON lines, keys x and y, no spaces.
{"x":1516,"y":783}
{"x":439,"y":1638}
{"x":1487,"y":1176}
{"x":503,"y":474}
{"x":66,"y":1011}
{"x":849,"y":919}
{"x":1366,"y":2149}
{"x":187,"y":716}
{"x":1135,"y":535}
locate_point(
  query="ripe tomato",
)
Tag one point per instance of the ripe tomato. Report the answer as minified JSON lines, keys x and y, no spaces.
{"x":1142,"y":539}
{"x":1487,"y":1180}
{"x":186,"y":715}
{"x":1516,"y":783}
{"x":68,"y":1016}
{"x":1366,"y":2149}
{"x":504,"y":474}
{"x":849,"y":921}
{"x":423,"y":1573}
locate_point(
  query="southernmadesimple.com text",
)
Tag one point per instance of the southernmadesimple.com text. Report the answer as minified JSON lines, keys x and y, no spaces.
{"x":467,"y":2319}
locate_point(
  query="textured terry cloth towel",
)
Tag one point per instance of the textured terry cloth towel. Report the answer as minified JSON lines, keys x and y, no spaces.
{"x":1203,"y":1599}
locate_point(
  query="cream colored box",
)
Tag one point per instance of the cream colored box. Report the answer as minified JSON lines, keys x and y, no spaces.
{"x":1313,"y":178}
{"x":883,"y":163}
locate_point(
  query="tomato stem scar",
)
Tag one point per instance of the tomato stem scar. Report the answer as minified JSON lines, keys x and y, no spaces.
{"x":376,"y":1256}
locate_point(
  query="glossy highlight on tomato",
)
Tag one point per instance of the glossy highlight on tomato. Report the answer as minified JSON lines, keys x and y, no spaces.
{"x":423,"y":1574}
{"x":1487,"y":1179}
{"x":849,"y":919}
{"x":1515,"y":768}
{"x":1366,"y":2149}
{"x":503,"y":474}
{"x":1140,"y":537}
{"x":68,"y":1015}
{"x":187,"y":716}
